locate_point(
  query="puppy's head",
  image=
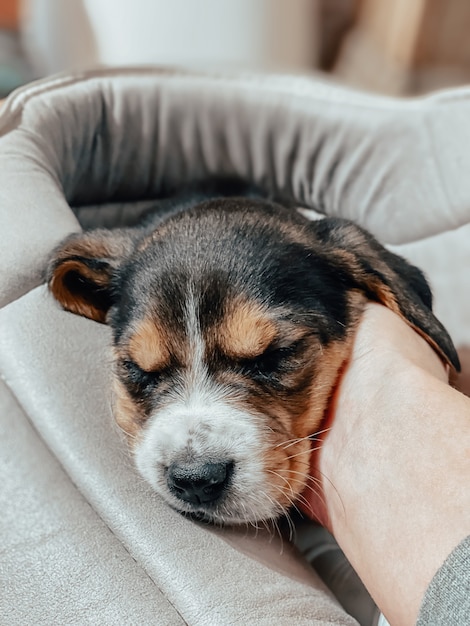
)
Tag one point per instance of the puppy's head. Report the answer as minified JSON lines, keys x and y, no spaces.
{"x":230,"y":324}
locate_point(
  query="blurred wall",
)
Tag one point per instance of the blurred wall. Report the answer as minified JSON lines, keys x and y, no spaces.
{"x":254,"y":34}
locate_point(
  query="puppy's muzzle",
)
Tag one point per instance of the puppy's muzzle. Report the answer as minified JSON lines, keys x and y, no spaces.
{"x":197,"y":483}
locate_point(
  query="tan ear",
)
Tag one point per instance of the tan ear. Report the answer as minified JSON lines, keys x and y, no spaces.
{"x":404,"y":301}
{"x":387,"y":278}
{"x":82,"y":268}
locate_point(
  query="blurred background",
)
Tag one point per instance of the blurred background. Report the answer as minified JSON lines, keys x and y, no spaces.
{"x":398,"y":47}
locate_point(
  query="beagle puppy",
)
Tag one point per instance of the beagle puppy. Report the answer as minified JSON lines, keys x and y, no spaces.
{"x":231,"y":319}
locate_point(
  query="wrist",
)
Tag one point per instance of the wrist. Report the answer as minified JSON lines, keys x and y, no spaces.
{"x":391,"y":473}
{"x":379,"y":402}
{"x":389,"y":364}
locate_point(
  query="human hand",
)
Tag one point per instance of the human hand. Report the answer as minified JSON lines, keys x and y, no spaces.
{"x":391,"y":475}
{"x":384,"y":346}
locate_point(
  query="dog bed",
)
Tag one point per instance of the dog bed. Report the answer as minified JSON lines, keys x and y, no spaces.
{"x":83,"y":538}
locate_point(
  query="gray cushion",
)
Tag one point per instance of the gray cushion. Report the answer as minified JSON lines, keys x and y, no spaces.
{"x":104,"y":143}
{"x":84,"y":540}
{"x":60,"y":563}
{"x":398,"y":167}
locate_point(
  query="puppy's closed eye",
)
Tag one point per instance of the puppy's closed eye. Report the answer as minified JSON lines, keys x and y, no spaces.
{"x":275,"y":360}
{"x":138,"y":379}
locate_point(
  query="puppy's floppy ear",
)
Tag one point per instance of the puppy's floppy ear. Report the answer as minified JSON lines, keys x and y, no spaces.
{"x":81,"y":270}
{"x":386,"y":278}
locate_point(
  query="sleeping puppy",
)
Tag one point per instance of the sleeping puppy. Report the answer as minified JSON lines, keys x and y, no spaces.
{"x":231,"y":320}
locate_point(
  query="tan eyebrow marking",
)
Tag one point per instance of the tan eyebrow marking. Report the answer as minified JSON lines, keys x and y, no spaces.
{"x":148,"y":346}
{"x":246,"y":331}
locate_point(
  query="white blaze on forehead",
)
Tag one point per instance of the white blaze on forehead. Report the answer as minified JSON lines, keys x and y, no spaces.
{"x":196,"y":374}
{"x":201,"y":422}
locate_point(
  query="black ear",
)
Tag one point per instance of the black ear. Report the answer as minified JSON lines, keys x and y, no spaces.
{"x":386,"y":278}
{"x":81,"y":269}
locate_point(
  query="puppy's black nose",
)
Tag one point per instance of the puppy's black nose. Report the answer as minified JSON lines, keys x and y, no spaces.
{"x":199,"y":484}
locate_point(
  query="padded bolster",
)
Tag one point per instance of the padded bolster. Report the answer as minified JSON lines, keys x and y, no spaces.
{"x":74,"y":569}
{"x":121,"y":135}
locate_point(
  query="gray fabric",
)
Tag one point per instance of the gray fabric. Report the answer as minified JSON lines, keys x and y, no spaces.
{"x":397,"y":167}
{"x":60,"y":564}
{"x":119,"y":138}
{"x":447,"y":599}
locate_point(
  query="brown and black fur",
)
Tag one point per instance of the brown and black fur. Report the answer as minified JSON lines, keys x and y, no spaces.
{"x":278,"y":300}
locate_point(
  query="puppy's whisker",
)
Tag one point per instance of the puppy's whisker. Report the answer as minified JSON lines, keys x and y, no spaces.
{"x":293,"y":456}
{"x":319,"y":432}
{"x":287,"y":517}
{"x":123,"y":430}
{"x":312,"y":437}
{"x":315,"y":491}
{"x":301,"y":499}
{"x":312,"y":485}
{"x":291,"y":526}
{"x":304,"y":487}
{"x":284,"y":479}
{"x":292,"y":442}
{"x":309,"y":477}
{"x":309,"y":451}
{"x":337,"y":492}
{"x":292,"y":496}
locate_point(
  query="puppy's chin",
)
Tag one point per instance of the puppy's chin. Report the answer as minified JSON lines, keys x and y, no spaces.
{"x":221,"y":463}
